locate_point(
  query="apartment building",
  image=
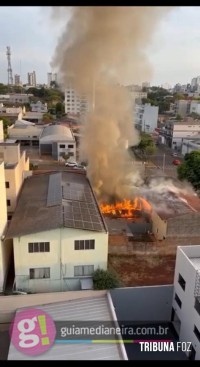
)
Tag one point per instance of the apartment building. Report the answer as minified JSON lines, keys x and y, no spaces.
{"x":32,"y":79}
{"x":186,"y":298}
{"x":16,"y":166}
{"x":74,"y":103}
{"x":146,"y":117}
{"x":182,"y":107}
{"x":136,"y":92}
{"x":59,"y":235}
{"x":195,"y":107}
{"x":39,"y":107}
{"x":175,"y":131}
{"x":51,"y":77}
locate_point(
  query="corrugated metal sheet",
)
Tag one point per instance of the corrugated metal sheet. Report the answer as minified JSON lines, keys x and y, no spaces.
{"x":87,"y":309}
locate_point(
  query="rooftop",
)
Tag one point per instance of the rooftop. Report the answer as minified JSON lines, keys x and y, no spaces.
{"x":172,"y":205}
{"x":56,"y":132}
{"x":85,"y":309}
{"x":56,"y":200}
{"x":193,"y":254}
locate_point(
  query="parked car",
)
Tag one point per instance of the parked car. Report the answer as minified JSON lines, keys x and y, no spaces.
{"x":80,"y":166}
{"x":71,"y":164}
{"x":176,"y":162}
{"x":174,"y":154}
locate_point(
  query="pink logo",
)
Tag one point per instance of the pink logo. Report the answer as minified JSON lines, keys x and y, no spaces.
{"x":32,"y":332}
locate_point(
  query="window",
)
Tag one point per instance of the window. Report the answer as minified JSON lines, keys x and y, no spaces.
{"x":8,"y":202}
{"x":7,"y":185}
{"x":178,"y":301}
{"x":39,"y":247}
{"x":70,"y":146}
{"x":9,"y":217}
{"x":83,"y":270}
{"x":62,"y":145}
{"x":181,"y":281}
{"x":197,"y":306}
{"x":84,"y":245}
{"x":39,"y":273}
{"x":197,"y":333}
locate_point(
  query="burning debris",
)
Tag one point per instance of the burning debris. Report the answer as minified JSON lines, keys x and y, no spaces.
{"x":127,"y":208}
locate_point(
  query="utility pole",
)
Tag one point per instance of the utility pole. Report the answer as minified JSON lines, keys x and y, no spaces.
{"x":164,"y":162}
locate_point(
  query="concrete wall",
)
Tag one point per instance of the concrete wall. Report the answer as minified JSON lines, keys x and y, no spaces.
{"x":184,"y":225}
{"x":15,"y":176}
{"x":10,"y":153}
{"x":61,"y":259}
{"x":187,"y":313}
{"x":143,"y":303}
{"x":159,"y":226}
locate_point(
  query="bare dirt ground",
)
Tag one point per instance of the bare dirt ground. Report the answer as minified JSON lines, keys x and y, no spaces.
{"x":144,"y":270}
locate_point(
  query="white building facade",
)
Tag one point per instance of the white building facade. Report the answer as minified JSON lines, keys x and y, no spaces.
{"x":189,"y":145}
{"x":175,"y":131}
{"x":186,"y":299}
{"x":58,"y":260}
{"x":146,"y":117}
{"x":195,"y":107}
{"x":39,"y":107}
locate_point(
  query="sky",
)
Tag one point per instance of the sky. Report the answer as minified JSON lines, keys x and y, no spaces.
{"x":32,"y":35}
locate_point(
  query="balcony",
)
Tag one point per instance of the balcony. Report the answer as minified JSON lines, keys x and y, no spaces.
{"x":197,"y":284}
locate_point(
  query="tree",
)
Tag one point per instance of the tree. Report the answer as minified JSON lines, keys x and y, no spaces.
{"x":146,"y":145}
{"x":190,"y":169}
{"x":47,"y":118}
{"x":104,"y":279}
{"x":179,"y":117}
{"x":6,"y":123}
{"x":60,"y":109}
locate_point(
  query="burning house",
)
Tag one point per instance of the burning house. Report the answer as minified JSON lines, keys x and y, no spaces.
{"x":164,"y":216}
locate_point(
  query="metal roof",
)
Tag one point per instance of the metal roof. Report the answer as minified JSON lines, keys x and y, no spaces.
{"x":56,"y":200}
{"x":56,"y":133}
{"x":85,"y":309}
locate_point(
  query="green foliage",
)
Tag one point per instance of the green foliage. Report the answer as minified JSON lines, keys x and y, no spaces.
{"x":190,"y":169}
{"x":51,"y":95}
{"x":178,"y":96}
{"x":6,"y":123}
{"x":104,"y":279}
{"x":60,"y":109}
{"x":146,"y":145}
{"x":47,"y":118}
{"x":179,"y":117}
{"x":156,"y":97}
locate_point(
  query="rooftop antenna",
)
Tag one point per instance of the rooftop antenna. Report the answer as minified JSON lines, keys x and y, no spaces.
{"x":9,"y":70}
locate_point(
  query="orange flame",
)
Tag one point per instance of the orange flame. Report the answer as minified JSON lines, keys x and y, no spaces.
{"x":126,"y":208}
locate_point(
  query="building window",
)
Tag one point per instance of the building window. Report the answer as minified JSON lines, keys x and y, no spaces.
{"x":7,"y":185}
{"x":83,"y":270}
{"x":84,"y":245}
{"x":39,"y":273}
{"x":62,"y":145}
{"x":70,"y":146}
{"x":9,"y":217}
{"x":197,"y":306}
{"x":39,"y":247}
{"x":8,"y":202}
{"x":197,"y":333}
{"x":178,"y":301}
{"x":181,"y":281}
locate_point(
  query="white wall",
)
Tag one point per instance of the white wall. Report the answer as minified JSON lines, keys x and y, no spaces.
{"x":187,"y":313}
{"x":150,"y":118}
{"x":195,"y":107}
{"x":1,"y":131}
{"x":61,"y":259}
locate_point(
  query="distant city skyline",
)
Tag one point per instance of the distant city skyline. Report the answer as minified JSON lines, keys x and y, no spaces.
{"x":32,"y":36}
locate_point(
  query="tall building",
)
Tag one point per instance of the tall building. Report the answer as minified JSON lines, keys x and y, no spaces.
{"x":17,"y":79}
{"x":146,"y":117}
{"x":51,"y":77}
{"x":32,"y":79}
{"x":74,"y":103}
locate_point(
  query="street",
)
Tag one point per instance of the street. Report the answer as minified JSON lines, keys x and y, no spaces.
{"x":161,"y":163}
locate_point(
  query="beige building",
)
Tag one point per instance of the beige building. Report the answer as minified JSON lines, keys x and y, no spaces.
{"x":59,"y":235}
{"x":16,"y":169}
